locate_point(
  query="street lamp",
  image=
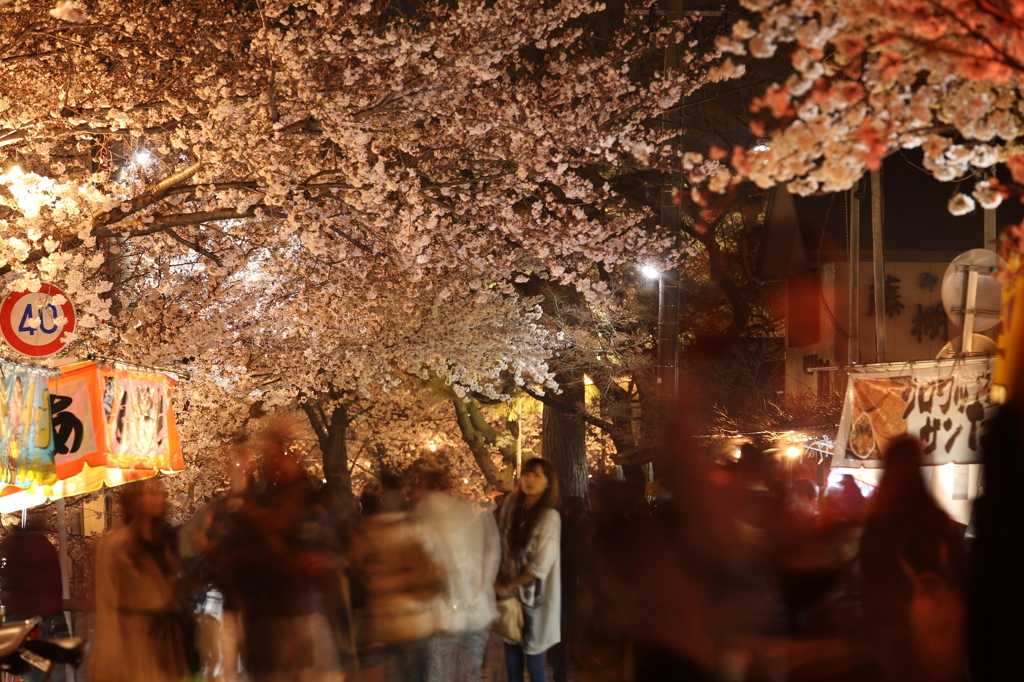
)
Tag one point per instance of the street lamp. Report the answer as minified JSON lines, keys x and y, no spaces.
{"x":668,"y":335}
{"x":650,"y":272}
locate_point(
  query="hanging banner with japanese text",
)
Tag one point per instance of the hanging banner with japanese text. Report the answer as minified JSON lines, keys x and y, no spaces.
{"x":140,"y":429}
{"x":944,"y":404}
{"x":78,"y":428}
{"x":26,"y":437}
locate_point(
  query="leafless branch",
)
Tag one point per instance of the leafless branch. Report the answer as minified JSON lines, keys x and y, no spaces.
{"x":192,"y":245}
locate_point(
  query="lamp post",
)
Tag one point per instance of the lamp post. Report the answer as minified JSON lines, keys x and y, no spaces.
{"x":668,"y":336}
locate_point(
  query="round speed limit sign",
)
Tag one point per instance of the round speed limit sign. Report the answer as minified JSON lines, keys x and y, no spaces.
{"x":33,"y":323}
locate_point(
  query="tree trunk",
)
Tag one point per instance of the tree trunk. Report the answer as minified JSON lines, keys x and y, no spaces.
{"x":564,"y":440}
{"x":330,"y":435}
{"x":335,"y":451}
{"x":478,"y":435}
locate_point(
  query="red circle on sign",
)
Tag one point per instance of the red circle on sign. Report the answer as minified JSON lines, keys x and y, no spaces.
{"x":51,"y":345}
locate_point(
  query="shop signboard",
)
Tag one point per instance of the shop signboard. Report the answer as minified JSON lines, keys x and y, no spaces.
{"x":140,"y":428}
{"x":944,"y":404}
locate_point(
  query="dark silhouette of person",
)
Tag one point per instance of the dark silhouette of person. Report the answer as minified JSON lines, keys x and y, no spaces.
{"x":997,"y":554}
{"x":913,"y":566}
{"x":30,"y":582}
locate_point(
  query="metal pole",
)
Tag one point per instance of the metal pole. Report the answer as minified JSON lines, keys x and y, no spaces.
{"x":970,"y":303}
{"x":991,"y":239}
{"x":668,"y":338}
{"x":878,"y":257}
{"x":65,"y":581}
{"x":853,"y":354}
{"x":668,"y":282}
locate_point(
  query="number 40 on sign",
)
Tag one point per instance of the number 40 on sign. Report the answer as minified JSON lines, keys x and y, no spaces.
{"x":33,"y":323}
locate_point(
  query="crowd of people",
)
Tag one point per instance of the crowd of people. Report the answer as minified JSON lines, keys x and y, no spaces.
{"x":743,"y":571}
{"x":285,"y":581}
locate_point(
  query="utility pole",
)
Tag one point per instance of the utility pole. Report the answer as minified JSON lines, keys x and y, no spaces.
{"x":878,"y":259}
{"x":65,"y":577}
{"x":853,"y":352}
{"x":668,"y":281}
{"x":991,"y":238}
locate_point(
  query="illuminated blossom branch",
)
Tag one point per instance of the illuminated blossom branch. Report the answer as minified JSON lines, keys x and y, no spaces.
{"x":870,"y":77}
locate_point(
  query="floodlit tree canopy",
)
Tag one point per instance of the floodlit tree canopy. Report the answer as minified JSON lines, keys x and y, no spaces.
{"x":327,"y":197}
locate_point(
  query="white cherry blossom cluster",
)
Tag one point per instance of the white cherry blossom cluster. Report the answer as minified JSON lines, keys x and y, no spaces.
{"x":870,"y":77}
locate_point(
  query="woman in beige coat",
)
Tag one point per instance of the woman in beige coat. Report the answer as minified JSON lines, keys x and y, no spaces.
{"x":138,"y":633}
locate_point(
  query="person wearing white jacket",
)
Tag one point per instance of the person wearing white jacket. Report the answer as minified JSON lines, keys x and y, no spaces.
{"x":462,"y":539}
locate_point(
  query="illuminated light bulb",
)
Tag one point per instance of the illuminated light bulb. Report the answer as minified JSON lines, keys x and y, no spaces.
{"x":650,"y":272}
{"x":793,"y":451}
{"x":433,"y":448}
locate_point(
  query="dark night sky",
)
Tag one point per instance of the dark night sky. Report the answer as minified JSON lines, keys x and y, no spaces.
{"x":916,"y":217}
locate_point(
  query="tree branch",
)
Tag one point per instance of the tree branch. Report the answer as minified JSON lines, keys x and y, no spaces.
{"x":314,"y":420}
{"x":588,"y":418}
{"x":351,"y":240}
{"x":193,"y":245}
{"x":153,"y":194}
{"x":478,"y":446}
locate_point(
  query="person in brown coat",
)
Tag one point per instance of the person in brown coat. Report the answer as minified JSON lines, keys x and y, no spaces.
{"x":138,"y":631}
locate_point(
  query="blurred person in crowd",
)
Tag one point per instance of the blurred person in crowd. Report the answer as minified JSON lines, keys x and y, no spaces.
{"x":605,"y":603}
{"x":530,"y":567}
{"x":687,"y":555}
{"x":392,"y":496}
{"x":369,"y":503}
{"x":401,"y":590}
{"x":220,"y":632}
{"x":844,"y":503}
{"x":913,"y":567}
{"x":30,"y":583}
{"x":280,"y":557}
{"x":462,"y":539}
{"x":802,"y":556}
{"x":138,"y":619}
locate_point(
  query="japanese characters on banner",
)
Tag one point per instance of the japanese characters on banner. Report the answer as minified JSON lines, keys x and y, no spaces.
{"x":26,"y":439}
{"x":141,"y":433}
{"x":946,"y":405}
{"x":78,"y":429}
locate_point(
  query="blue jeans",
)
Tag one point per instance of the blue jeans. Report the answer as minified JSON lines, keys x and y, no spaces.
{"x":535,"y":664}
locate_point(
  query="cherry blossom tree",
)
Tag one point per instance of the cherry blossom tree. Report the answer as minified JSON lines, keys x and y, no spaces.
{"x":306,"y":203}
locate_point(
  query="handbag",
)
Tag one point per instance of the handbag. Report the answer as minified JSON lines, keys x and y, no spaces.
{"x":510,"y":619}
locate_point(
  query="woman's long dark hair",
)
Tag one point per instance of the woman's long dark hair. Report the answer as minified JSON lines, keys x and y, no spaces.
{"x":165,"y":549}
{"x":522,"y":521}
